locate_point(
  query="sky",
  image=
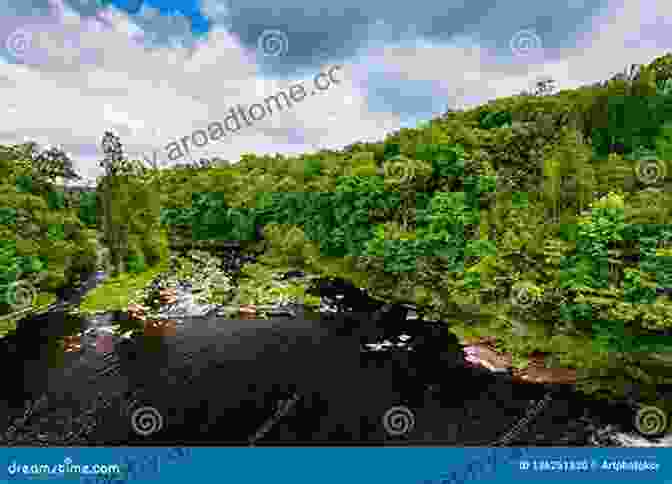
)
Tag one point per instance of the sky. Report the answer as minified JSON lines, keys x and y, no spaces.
{"x":157,"y":72}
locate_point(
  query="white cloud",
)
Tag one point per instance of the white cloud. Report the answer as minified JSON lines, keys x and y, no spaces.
{"x":483,"y":77}
{"x":156,"y":96}
{"x":172,"y":92}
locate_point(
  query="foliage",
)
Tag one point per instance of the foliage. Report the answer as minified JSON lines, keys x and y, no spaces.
{"x":312,"y":168}
{"x":136,"y":263}
{"x":261,"y":284}
{"x":524,"y":219}
{"x":117,"y":292}
{"x":89,"y":208}
{"x":40,"y":225}
{"x":490,"y":120}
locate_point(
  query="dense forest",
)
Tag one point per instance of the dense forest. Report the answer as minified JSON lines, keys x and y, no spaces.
{"x":540,"y":219}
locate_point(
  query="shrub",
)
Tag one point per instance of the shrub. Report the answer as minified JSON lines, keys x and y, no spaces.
{"x":135,"y":263}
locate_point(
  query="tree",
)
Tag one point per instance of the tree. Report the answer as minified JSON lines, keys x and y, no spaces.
{"x":53,"y":163}
{"x":662,"y":67}
{"x":115,"y":230}
{"x":644,"y":85}
{"x":204,"y":163}
{"x":420,"y":244}
{"x":544,"y":87}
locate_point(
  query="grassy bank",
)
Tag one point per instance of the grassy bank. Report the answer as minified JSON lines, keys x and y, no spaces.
{"x":115,"y":293}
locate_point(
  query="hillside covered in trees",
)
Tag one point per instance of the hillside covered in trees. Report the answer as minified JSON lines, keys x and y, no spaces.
{"x":541,"y":220}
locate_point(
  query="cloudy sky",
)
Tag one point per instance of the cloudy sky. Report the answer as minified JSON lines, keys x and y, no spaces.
{"x":155,"y":72}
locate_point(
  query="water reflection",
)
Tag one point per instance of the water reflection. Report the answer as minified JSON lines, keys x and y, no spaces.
{"x":103,"y":341}
{"x":67,"y":335}
{"x":160,"y":328}
{"x":59,"y":334}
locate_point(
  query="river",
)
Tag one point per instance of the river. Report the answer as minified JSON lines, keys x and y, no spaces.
{"x":283,"y":381}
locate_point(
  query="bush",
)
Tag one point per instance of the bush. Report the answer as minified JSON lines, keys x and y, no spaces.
{"x":156,"y":248}
{"x":135,"y":263}
{"x":88,"y":206}
{"x":312,"y":168}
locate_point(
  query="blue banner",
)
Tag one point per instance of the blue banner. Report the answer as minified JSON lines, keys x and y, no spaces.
{"x":306,"y":465}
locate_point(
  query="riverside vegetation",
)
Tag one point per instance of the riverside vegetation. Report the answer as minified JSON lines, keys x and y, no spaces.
{"x":540,"y":220}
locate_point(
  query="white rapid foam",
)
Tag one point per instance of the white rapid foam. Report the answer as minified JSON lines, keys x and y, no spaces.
{"x":612,"y":436}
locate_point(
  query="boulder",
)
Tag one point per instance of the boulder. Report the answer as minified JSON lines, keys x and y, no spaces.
{"x":168,"y":296}
{"x":136,"y":312}
{"x":248,"y":311}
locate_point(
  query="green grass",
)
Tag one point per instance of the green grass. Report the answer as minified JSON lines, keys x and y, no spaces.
{"x":45,"y":299}
{"x":115,"y":293}
{"x":7,"y":325}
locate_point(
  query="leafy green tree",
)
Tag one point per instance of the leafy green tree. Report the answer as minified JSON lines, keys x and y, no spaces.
{"x":115,"y":190}
{"x":544,"y":87}
{"x":509,"y":233}
{"x":89,"y":208}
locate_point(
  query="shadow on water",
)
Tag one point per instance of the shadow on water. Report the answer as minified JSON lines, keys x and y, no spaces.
{"x":216,"y":380}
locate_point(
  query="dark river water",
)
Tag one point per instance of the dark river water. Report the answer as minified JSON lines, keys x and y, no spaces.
{"x":216,"y":381}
